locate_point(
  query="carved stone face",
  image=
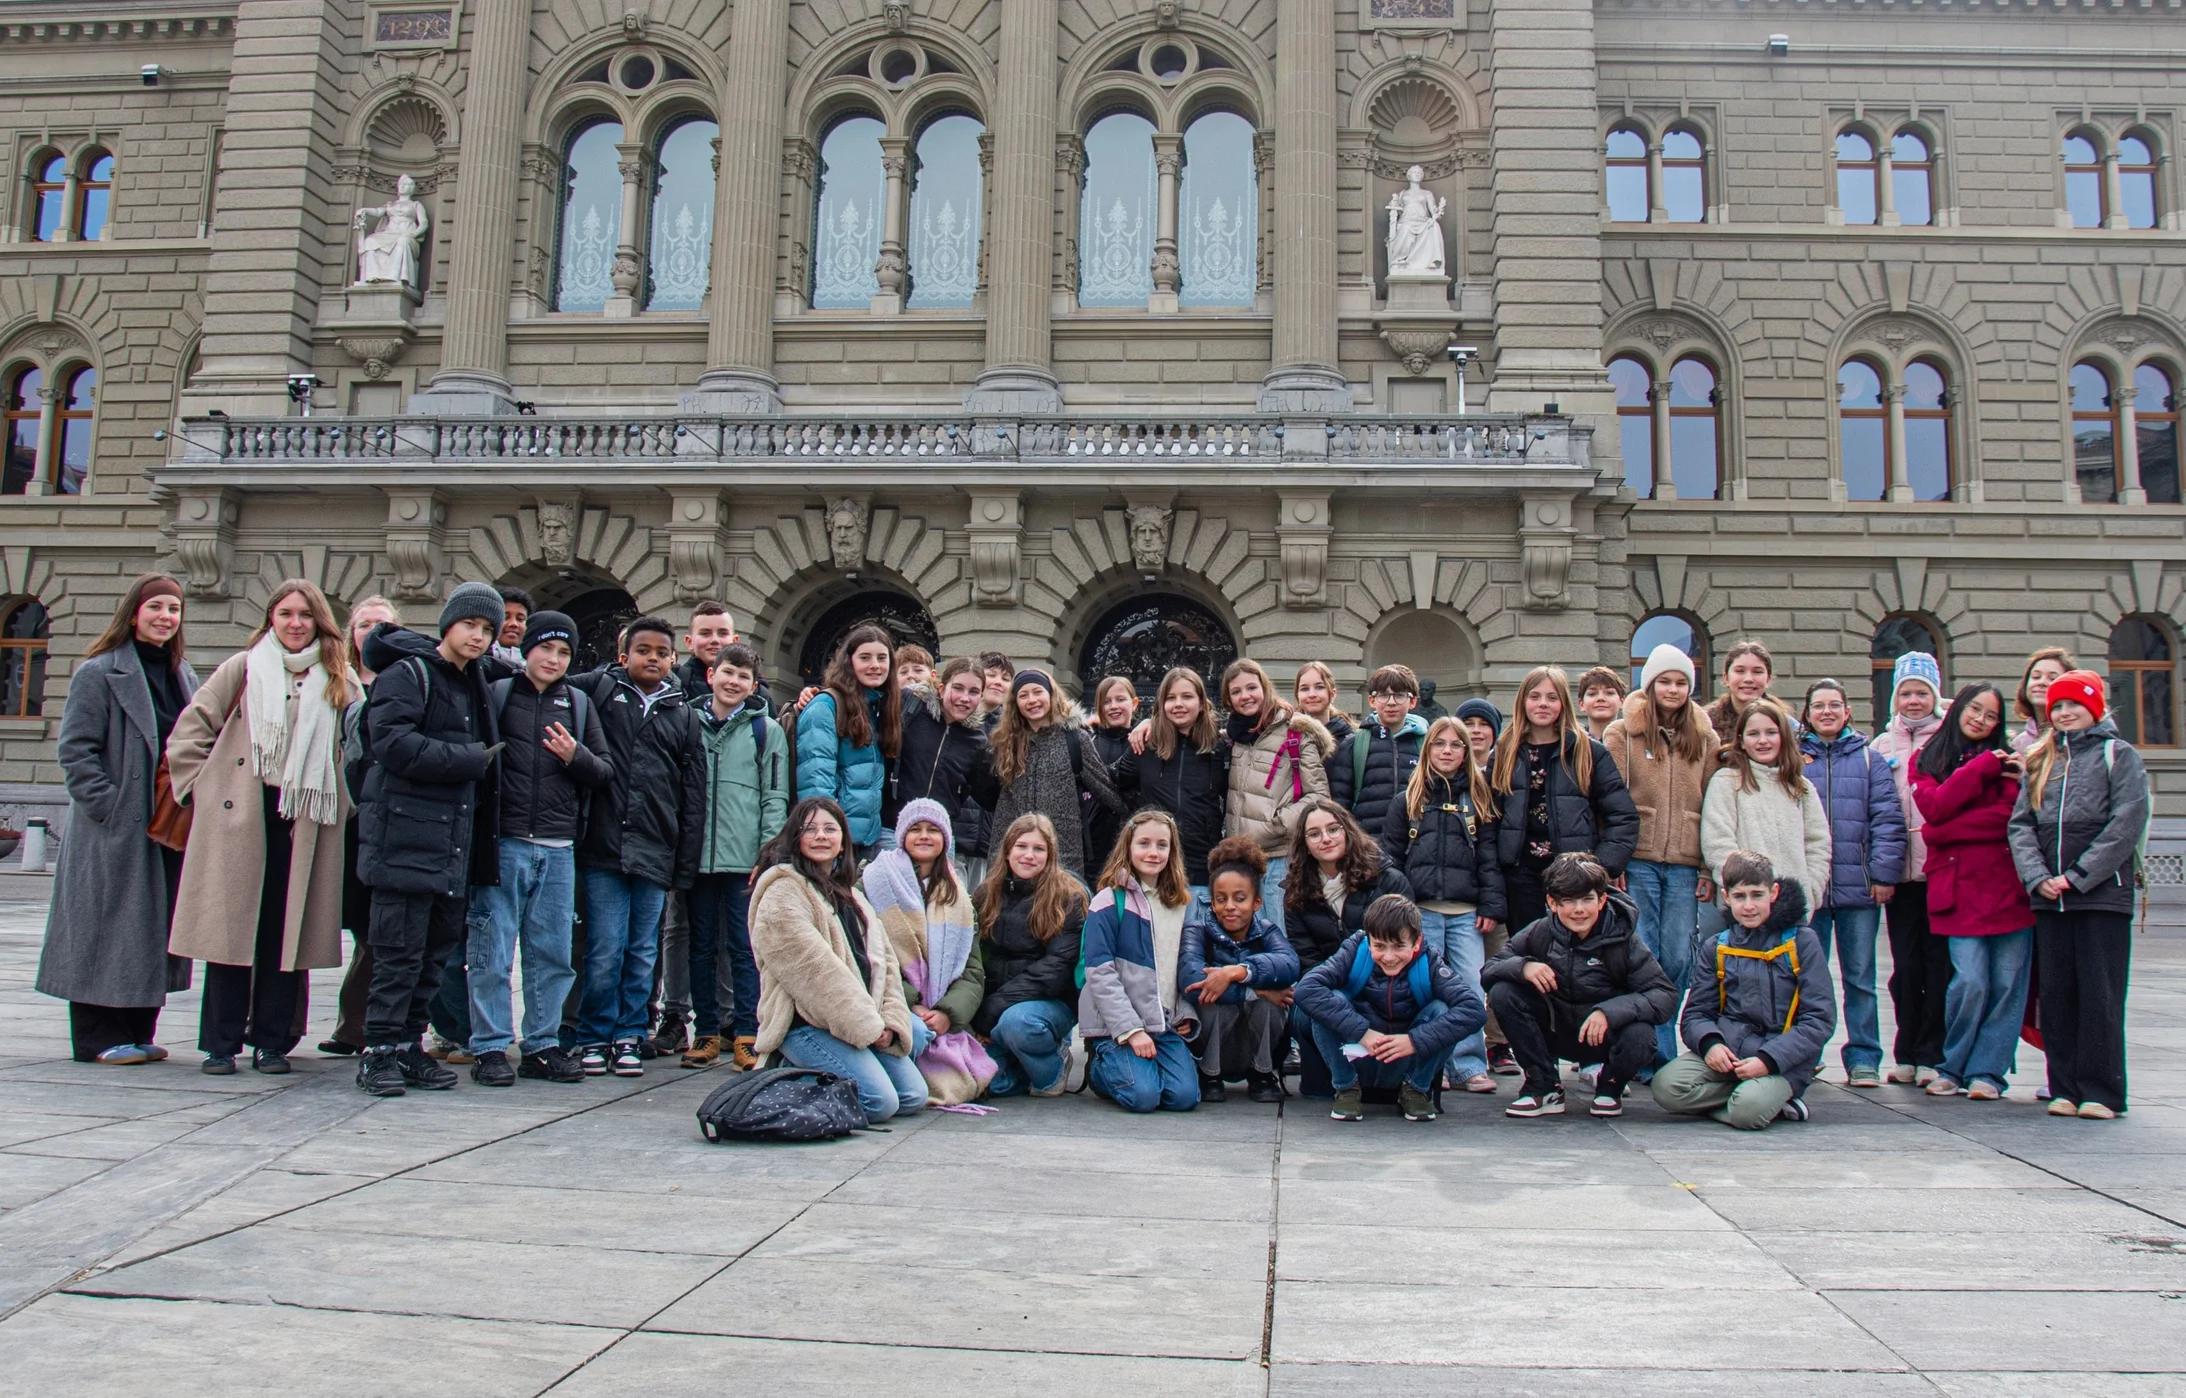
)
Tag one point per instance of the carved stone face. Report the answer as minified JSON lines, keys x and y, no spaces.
{"x":555,"y":544}
{"x":1149,"y":536}
{"x":406,"y":188}
{"x":1414,"y":175}
{"x":846,"y":531}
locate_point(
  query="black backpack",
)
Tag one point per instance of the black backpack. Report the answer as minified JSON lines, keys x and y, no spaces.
{"x":782,"y":1104}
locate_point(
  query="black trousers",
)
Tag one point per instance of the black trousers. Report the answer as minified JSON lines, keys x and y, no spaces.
{"x":1920,"y":976}
{"x":413,"y":935}
{"x":1525,"y":900}
{"x":2082,"y":959}
{"x":93,"y":1029}
{"x":256,"y":1004}
{"x":1539,"y":1035}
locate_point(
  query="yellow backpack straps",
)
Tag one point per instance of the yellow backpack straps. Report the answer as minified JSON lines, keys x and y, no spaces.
{"x":1788,"y":948}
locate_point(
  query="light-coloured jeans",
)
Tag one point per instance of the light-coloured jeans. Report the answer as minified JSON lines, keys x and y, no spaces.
{"x":888,"y":1084}
{"x":1668,"y":899}
{"x":1985,"y":1006}
{"x":1456,"y":938}
{"x":535,"y":906}
{"x":1854,"y":931}
{"x":1271,"y":890}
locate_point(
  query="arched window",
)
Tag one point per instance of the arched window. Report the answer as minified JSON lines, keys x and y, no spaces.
{"x":23,"y":407}
{"x":848,"y":216}
{"x":2094,"y":434}
{"x":22,"y":658}
{"x":49,"y":199}
{"x":2137,"y":181}
{"x":1117,"y":213}
{"x":682,"y":225}
{"x":1927,"y":430}
{"x":1912,"y":179}
{"x":1218,"y":214}
{"x":94,"y":196}
{"x":1863,"y":431}
{"x":1635,"y":422}
{"x":2143,"y":694}
{"x":72,"y":430}
{"x":1150,"y":633}
{"x":1858,"y":178}
{"x":1625,"y":171}
{"x":1670,"y":628}
{"x":2155,"y":418}
{"x":946,"y":194}
{"x":591,"y":218}
{"x":1897,"y":635}
{"x":2084,"y":199}
{"x":1695,"y":430}
{"x":1684,"y":177}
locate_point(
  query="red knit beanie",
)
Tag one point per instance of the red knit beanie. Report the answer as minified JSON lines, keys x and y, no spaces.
{"x":2082,"y":687}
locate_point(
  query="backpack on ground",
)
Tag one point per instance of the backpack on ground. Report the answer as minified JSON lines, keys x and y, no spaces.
{"x":782,"y":1104}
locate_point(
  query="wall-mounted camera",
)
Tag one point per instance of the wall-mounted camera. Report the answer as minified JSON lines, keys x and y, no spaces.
{"x":300,"y":389}
{"x":151,"y":73}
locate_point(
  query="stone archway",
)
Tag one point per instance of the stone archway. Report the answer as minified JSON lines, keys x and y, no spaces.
{"x":600,"y":613}
{"x":905,"y":617}
{"x":1438,"y":648}
{"x":1148,"y":634}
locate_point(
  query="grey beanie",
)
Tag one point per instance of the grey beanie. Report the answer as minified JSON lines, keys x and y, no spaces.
{"x":474,"y":601}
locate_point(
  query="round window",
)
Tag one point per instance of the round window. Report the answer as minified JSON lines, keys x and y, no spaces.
{"x":638,"y":73}
{"x":1169,"y":62}
{"x":898,"y":66}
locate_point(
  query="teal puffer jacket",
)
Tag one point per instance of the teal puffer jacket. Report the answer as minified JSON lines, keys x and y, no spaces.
{"x":747,"y":787}
{"x":852,"y":777}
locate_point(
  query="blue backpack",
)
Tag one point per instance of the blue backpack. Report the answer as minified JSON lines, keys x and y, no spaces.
{"x":1420,"y":975}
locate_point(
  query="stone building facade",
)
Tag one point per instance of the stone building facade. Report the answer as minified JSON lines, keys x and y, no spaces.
{"x":1064,"y":327}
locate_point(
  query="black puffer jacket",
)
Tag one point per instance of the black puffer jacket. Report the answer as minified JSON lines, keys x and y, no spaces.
{"x":542,"y":797}
{"x":1021,"y":967}
{"x":1449,"y":853}
{"x":650,"y":822}
{"x":1390,"y":758}
{"x":1611,"y":970}
{"x":1315,"y":930}
{"x":1601,"y":820}
{"x":1114,"y":745}
{"x":952,"y":763}
{"x":432,"y":798}
{"x":1192,"y":786}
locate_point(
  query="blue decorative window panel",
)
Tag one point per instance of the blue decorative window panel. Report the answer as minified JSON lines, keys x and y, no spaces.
{"x":1218,"y":213}
{"x":945,"y":213}
{"x":848,"y":217}
{"x":1117,"y":215}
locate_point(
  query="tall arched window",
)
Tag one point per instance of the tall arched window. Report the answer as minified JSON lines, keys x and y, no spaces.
{"x":72,"y":429}
{"x":1858,"y":178}
{"x":1684,"y":177}
{"x":94,"y":196}
{"x":2137,"y":181}
{"x":1117,"y":213}
{"x":49,"y":199}
{"x":591,"y":218}
{"x":1912,"y":179}
{"x":1897,"y":635}
{"x":2155,"y":419}
{"x":1624,"y":161}
{"x":2094,"y":434}
{"x":849,"y":216}
{"x":1668,"y":628}
{"x":2084,"y":196}
{"x":23,"y":407}
{"x":1695,"y":430}
{"x":1635,"y":422}
{"x":1927,"y":430}
{"x":23,"y":634}
{"x":946,"y":195}
{"x":682,"y":224}
{"x":2143,"y":688}
{"x":1863,"y":431}
{"x":1218,"y":214}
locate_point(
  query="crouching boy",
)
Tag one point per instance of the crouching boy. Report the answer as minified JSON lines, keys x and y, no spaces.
{"x":1385,"y":1010}
{"x":1760,"y":1008}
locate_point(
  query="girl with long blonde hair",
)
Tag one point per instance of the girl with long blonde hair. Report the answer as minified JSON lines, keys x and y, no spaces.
{"x":1031,"y":919}
{"x":1559,"y":793}
{"x":1133,"y":1010}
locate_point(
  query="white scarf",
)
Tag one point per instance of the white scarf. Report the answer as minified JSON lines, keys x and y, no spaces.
{"x":307,"y":758}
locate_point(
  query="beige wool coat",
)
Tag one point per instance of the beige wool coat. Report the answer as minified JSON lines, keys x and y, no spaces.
{"x":805,"y":968}
{"x":224,"y":869}
{"x":1265,"y":807}
{"x":1666,"y":789}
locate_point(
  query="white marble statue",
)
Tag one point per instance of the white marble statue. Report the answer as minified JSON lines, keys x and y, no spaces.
{"x":1415,"y":230}
{"x":389,"y":236}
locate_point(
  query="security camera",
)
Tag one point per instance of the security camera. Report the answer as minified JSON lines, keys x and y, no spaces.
{"x":300,"y":389}
{"x":151,"y":73}
{"x":1460,"y":353}
{"x":1779,"y":45}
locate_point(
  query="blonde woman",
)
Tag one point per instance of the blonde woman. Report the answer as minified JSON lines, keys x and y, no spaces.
{"x":1278,"y":758}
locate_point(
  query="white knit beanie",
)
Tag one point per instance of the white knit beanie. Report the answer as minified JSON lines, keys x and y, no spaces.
{"x":1662,"y":660}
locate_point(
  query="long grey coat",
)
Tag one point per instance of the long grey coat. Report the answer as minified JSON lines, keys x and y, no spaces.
{"x":106,"y":933}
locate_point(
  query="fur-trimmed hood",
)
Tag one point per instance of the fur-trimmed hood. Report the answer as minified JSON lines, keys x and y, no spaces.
{"x":1272,"y":774}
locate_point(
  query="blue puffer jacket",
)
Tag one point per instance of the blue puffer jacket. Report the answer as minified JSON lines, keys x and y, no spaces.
{"x":1263,"y":951}
{"x":1866,"y":823}
{"x":852,"y":777}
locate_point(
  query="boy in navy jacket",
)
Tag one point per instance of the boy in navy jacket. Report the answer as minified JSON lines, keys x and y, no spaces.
{"x":1386,"y":1009}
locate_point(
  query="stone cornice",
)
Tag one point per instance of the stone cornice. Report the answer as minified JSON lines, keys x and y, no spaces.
{"x":63,"y":23}
{"x":1961,"y":233}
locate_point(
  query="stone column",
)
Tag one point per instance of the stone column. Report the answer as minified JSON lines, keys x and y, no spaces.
{"x":893,"y":268}
{"x":71,"y":210}
{"x":1665,"y":478}
{"x":1886,"y":194}
{"x":623,"y":303}
{"x":1893,"y":485}
{"x":46,"y":456}
{"x":2113,"y":194}
{"x":739,"y":375}
{"x":1658,"y":204}
{"x":474,"y":346}
{"x":1168,"y":272}
{"x":1302,"y":376}
{"x":2130,"y":490}
{"x":1017,"y":378}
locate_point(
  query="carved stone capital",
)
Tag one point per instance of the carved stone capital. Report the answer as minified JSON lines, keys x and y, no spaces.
{"x":415,"y":523}
{"x":1545,"y":536}
{"x":997,"y":539}
{"x":374,"y":352}
{"x":696,"y":556}
{"x":204,"y":534}
{"x":1302,"y":525}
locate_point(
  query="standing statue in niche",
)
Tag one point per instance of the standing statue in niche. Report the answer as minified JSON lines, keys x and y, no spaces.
{"x":1415,"y":230}
{"x":389,"y":237}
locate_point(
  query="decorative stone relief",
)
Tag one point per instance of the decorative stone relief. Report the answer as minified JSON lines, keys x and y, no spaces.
{"x":389,"y":236}
{"x":1545,"y":535}
{"x":1150,"y":527}
{"x":848,"y":517}
{"x":414,"y":520}
{"x":997,"y":534}
{"x":1895,"y":335}
{"x":204,"y":532}
{"x":1663,"y":331}
{"x":2124,"y":336}
{"x":1301,"y":523}
{"x":695,"y":556}
{"x":558,"y":530}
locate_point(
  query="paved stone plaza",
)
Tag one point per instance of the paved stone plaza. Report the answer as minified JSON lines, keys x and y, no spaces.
{"x":168,"y":1233}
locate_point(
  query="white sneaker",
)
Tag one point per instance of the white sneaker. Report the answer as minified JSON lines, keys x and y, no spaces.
{"x":1588,"y":1076}
{"x":1075,"y":1062}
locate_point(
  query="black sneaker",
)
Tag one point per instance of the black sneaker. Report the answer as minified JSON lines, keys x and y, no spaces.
{"x":630,"y":1058}
{"x":379,"y":1072}
{"x":1212,"y":1090}
{"x":551,"y":1064}
{"x":218,"y":1065}
{"x":492,"y":1070}
{"x":1502,"y":1062}
{"x":1264,"y":1087}
{"x":423,"y":1071}
{"x":335,"y":1048}
{"x":1543,"y":1102}
{"x":673,"y":1036}
{"x":269,"y":1061}
{"x":593,"y":1060}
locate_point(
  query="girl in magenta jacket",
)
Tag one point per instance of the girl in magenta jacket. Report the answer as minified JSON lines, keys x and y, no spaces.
{"x":1966,"y":782}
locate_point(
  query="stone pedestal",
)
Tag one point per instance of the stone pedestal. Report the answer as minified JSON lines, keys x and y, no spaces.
{"x":1417,"y":320}
{"x":374,"y":322}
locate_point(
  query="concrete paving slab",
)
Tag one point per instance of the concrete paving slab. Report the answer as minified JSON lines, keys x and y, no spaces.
{"x":25,"y":1177}
{"x":259,"y":1195}
{"x":1860,"y":1170}
{"x":954,"y":1240}
{"x":1421,"y":1254}
{"x":1061,"y":1191}
{"x":1457,"y":1202}
{"x":2034,"y":1331}
{"x":1900,"y":1261}
{"x":1439,"y":1381}
{"x":2014,"y":1211}
{"x":671,"y":1220}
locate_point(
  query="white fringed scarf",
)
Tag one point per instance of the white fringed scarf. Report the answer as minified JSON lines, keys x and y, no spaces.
{"x":306,"y":757}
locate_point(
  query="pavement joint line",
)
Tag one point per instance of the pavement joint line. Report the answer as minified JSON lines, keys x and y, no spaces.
{"x":1225,"y":1360}
{"x":276,"y":1303}
{"x":1275,"y":1227}
{"x":105,"y":1122}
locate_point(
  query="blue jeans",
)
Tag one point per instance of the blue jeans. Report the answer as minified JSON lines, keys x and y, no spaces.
{"x":1854,"y":931}
{"x":1985,"y":1005}
{"x":1027,"y":1046}
{"x":534,"y":905}
{"x":1455,"y":937}
{"x":1419,"y":1071}
{"x":622,"y":940}
{"x":1271,"y":889}
{"x":720,"y":908}
{"x":1168,"y":1081}
{"x":1668,"y":897}
{"x":888,"y":1084}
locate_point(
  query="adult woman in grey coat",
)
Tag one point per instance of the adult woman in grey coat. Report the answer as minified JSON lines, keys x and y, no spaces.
{"x":114,"y":892}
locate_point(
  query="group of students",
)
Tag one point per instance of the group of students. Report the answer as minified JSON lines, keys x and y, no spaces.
{"x":946,"y":883}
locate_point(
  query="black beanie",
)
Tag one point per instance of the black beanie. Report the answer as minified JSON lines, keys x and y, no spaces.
{"x":549,"y":626}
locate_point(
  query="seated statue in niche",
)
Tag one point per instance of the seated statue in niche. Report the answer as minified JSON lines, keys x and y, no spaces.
{"x":389,"y":237}
{"x":1415,"y":230}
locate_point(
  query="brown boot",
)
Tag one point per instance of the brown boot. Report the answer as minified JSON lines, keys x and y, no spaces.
{"x":740,"y":1053}
{"x":704,"y":1052}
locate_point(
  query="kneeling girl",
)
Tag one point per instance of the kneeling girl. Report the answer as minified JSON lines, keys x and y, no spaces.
{"x":1132,"y":1010}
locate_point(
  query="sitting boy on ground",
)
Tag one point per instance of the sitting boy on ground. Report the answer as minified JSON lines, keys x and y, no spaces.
{"x":1760,"y":1010}
{"x":1384,"y":1009}
{"x":1579,"y":984}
